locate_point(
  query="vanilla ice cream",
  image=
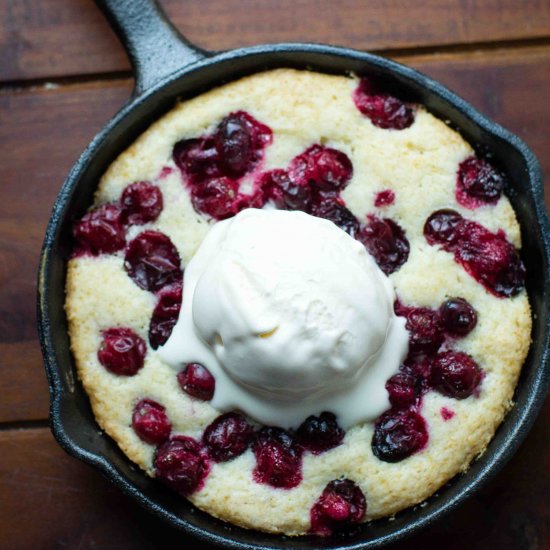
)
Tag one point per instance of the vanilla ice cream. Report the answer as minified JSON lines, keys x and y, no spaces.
{"x":292,"y":316}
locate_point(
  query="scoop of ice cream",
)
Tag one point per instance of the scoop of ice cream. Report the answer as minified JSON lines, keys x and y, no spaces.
{"x":291,"y":315}
{"x":290,"y":304}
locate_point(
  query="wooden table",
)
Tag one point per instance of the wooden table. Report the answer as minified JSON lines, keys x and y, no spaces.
{"x":63,"y":74}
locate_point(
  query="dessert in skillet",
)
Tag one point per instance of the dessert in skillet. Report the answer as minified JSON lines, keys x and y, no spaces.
{"x":298,"y":301}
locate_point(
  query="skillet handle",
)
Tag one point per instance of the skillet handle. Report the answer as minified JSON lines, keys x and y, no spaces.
{"x":154,"y":46}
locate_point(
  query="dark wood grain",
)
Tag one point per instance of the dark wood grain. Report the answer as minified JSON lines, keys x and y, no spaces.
{"x":41,"y":135}
{"x":50,"y":500}
{"x":57,"y":38}
{"x":507,"y":85}
{"x":54,"y":501}
{"x":45,"y":130}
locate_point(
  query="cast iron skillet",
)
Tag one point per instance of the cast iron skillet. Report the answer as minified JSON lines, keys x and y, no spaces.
{"x":168,"y":67}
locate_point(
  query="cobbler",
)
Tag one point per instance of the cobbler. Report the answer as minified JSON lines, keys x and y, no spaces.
{"x":429,"y":210}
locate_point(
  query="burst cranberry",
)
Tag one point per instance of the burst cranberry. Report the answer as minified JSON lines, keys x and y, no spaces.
{"x":228,"y":436}
{"x":457,"y":317}
{"x":490,"y":259}
{"x":341,"y":503}
{"x":285,"y":192}
{"x":425,"y":334}
{"x":165,"y":172}
{"x":197,"y":381}
{"x":165,"y":315}
{"x":398,"y":435}
{"x":318,"y":434}
{"x":152,"y":261}
{"x":487,"y":257}
{"x":333,"y":210}
{"x":216,"y":197}
{"x":233,"y":150}
{"x":100,"y":231}
{"x":455,"y":374}
{"x":441,"y":227}
{"x":240,"y":140}
{"x":478,"y":183}
{"x":402,"y":390}
{"x":150,"y":422}
{"x":278,"y":458}
{"x":180,"y":463}
{"x":141,"y":203}
{"x":418,"y":367}
{"x":197,"y":158}
{"x":256,"y":199}
{"x":383,"y":110}
{"x":122,"y":351}
{"x":384,"y":198}
{"x":386,"y":242}
{"x":324,"y":168}
{"x":400,"y":308}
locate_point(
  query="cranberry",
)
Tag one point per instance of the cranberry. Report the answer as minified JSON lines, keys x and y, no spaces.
{"x":150,"y":422}
{"x":285,"y":192}
{"x":312,"y":183}
{"x":478,"y":183}
{"x":341,"y":503}
{"x":455,"y":374}
{"x":384,"y":198}
{"x":398,"y":435}
{"x":425,"y":334}
{"x":233,"y":143}
{"x":256,"y":199}
{"x":490,"y":259}
{"x":386,"y":242}
{"x":402,"y":390}
{"x":122,"y":351}
{"x":141,"y":203}
{"x":457,"y":317}
{"x":180,"y":463}
{"x":234,"y":149}
{"x":384,"y":110}
{"x":197,"y":381}
{"x":318,"y":434}
{"x":197,"y":158}
{"x":333,"y":210}
{"x":333,"y":169}
{"x":446,"y":413}
{"x":217,"y":197}
{"x":417,"y":367}
{"x":100,"y":231}
{"x":240,"y":140}
{"x":486,"y":256}
{"x":441,"y":226}
{"x":152,"y":261}
{"x":278,"y":458}
{"x":165,"y":314}
{"x":228,"y":436}
{"x":324,"y":168}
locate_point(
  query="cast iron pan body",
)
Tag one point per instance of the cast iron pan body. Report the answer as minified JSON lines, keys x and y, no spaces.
{"x":168,"y":67}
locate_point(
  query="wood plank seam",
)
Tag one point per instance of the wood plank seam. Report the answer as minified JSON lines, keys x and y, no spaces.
{"x":24,"y":425}
{"x":401,"y":53}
